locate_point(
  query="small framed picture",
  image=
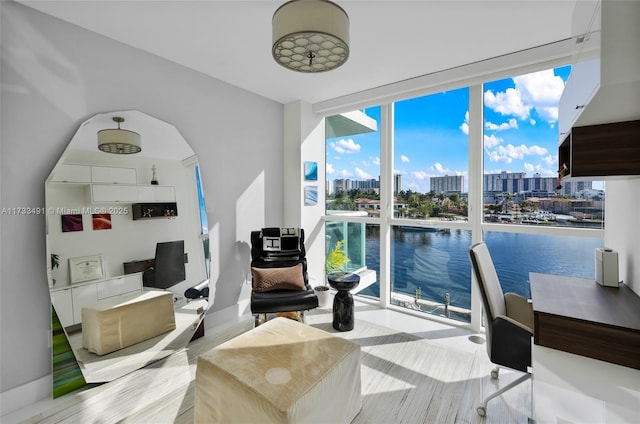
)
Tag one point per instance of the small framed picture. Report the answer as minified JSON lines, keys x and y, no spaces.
{"x":311,"y":171}
{"x":86,"y":268}
{"x":101,"y":221}
{"x":310,"y":195}
{"x":71,"y":223}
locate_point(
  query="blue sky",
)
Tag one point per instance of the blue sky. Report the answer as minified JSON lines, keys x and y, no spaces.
{"x":431,"y":133}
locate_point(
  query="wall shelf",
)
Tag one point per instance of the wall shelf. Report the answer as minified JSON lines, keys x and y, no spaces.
{"x":154,"y":210}
{"x":606,"y":150}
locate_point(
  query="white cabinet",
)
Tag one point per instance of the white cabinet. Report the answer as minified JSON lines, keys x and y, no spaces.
{"x":113,"y":193}
{"x":69,"y":301}
{"x":117,"y":286}
{"x":72,"y":173}
{"x":609,"y":62}
{"x":574,"y":389}
{"x":113,"y":175}
{"x":156,"y":194}
{"x":63,"y":305}
{"x":82,"y":296}
{"x":111,"y":184}
{"x":580,"y":89}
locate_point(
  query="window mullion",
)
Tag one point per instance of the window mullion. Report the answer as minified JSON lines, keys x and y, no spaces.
{"x":386,"y":201}
{"x":475,"y":186}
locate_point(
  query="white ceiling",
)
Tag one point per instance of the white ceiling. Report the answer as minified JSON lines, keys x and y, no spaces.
{"x":390,"y":40}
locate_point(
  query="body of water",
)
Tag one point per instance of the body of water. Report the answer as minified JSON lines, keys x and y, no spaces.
{"x":437,"y":261}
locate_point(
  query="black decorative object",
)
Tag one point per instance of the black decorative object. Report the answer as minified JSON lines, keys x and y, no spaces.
{"x":343,"y":315}
{"x":154,"y":210}
{"x":154,"y":179}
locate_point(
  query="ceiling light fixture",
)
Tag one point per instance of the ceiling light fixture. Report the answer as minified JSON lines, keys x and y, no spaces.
{"x":310,"y":35}
{"x":119,"y":141}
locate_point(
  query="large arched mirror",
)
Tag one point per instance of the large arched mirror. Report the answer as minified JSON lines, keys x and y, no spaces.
{"x":127,"y":243}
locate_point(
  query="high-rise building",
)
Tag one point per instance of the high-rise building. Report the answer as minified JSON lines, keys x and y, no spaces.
{"x":397,"y":183}
{"x":342,"y":184}
{"x":536,"y":186}
{"x":447,"y":184}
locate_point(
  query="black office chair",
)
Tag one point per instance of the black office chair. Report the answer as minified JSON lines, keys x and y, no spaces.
{"x":168,"y":266}
{"x":509,"y":322}
{"x":280,"y":282}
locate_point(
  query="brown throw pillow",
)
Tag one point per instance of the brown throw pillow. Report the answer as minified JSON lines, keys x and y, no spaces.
{"x":265,"y":279}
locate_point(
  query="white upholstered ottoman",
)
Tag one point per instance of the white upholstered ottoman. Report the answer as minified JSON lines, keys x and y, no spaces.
{"x":125,"y":320}
{"x":280,"y":372}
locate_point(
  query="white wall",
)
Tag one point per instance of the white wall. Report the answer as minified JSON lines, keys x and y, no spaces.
{"x":54,"y":76}
{"x":304,"y":140}
{"x":622,"y":229}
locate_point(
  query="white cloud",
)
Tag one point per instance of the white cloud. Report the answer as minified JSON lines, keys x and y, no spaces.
{"x":437,"y":167}
{"x":362,"y":174}
{"x":329,"y":169}
{"x":528,"y":167}
{"x":532,"y":122}
{"x":404,"y":159}
{"x":508,"y":102}
{"x":345,"y":174}
{"x":376,"y":160}
{"x":512,"y":123}
{"x":345,"y":146}
{"x":549,"y":160}
{"x":495,"y":156}
{"x":546,"y":172}
{"x":539,"y":90}
{"x":491,"y":141}
{"x":509,"y":152}
{"x":420,"y":175}
{"x":464,"y":127}
{"x":534,"y":150}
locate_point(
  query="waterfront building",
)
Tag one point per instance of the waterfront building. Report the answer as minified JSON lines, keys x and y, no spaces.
{"x":342,"y":184}
{"x":447,"y":184}
{"x":397,"y":183}
{"x":517,"y":183}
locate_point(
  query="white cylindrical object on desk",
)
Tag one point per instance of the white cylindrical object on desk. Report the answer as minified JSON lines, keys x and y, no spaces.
{"x":607,"y":267}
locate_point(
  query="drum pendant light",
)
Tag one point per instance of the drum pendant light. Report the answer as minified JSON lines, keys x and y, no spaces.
{"x":310,"y":35}
{"x":119,"y":141}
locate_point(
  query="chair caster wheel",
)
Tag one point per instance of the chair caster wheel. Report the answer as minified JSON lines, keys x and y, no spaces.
{"x":494,"y":374}
{"x":482,"y":410}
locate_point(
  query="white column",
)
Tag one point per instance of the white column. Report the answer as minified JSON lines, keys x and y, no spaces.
{"x":304,"y":140}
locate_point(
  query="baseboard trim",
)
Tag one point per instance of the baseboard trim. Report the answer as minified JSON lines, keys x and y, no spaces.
{"x":27,"y":394}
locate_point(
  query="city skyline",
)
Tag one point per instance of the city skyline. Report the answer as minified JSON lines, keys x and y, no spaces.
{"x":431,"y":133}
{"x":503,"y":182}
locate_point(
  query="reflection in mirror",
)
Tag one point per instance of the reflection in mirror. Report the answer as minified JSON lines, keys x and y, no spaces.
{"x":127,"y":244}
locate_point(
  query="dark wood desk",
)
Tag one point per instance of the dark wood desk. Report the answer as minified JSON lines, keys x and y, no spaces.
{"x":579,"y":316}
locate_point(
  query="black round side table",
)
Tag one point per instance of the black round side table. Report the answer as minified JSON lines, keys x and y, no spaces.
{"x":343,"y":316}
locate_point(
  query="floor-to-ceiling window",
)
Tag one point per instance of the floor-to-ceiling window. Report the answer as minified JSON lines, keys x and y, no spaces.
{"x":352,"y":171}
{"x":429,"y":268}
{"x":530,"y":221}
{"x":521,"y":186}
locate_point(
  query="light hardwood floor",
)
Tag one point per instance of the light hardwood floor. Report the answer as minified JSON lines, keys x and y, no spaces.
{"x":422,"y":372}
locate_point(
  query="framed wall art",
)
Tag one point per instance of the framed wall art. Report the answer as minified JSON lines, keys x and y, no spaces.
{"x":101,"y":221}
{"x":71,"y":223}
{"x":311,"y":171}
{"x":310,"y":195}
{"x":86,"y":268}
